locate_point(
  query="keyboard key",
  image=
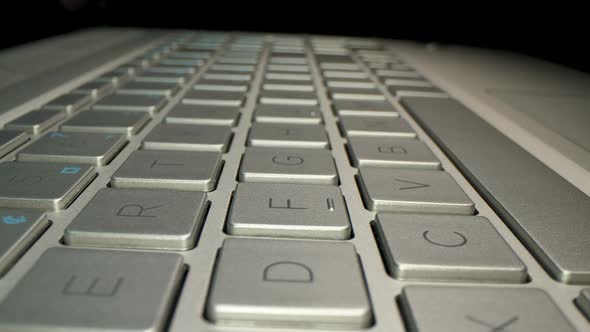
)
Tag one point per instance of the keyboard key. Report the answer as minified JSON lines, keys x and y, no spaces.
{"x":288,"y":68}
{"x":446,"y":248}
{"x":204,"y":115}
{"x":237,"y":60}
{"x":167,"y":90}
{"x":218,"y":85}
{"x":406,"y":82}
{"x":181,"y":62}
{"x":188,"y":138}
{"x":288,"y":136}
{"x":95,"y":89}
{"x":223,"y":76}
{"x":417,"y":91}
{"x":402,"y":74}
{"x":334,"y":57}
{"x":288,"y":87}
{"x":139,"y":219}
{"x":289,"y":210}
{"x":288,"y":166}
{"x":233,"y":68}
{"x":301,"y":98}
{"x":18,"y":230}
{"x":361,"y":86}
{"x":339,"y":66}
{"x":36,"y":122}
{"x":422,"y":191}
{"x":353,"y":126}
{"x":94,"y":289}
{"x":288,"y":114}
{"x":583,"y":302}
{"x":356,"y":94}
{"x":318,"y":283}
{"x":288,"y":60}
{"x":10,"y":140}
{"x":391,"y":152}
{"x":165,"y":69}
{"x":345,"y":74}
{"x":42,"y":186}
{"x":112,"y":122}
{"x":188,"y":55}
{"x":151,"y":103}
{"x":178,"y":170}
{"x":467,"y":309}
{"x":117,"y":76}
{"x":287,"y":76}
{"x":214,"y":98}
{"x":84,"y":148}
{"x":70,"y":103}
{"x":280,"y":85}
{"x":163,"y":78}
{"x":377,"y":65}
{"x":364,"y":108}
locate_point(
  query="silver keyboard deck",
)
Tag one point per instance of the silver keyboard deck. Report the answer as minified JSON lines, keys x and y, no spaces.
{"x":248,"y":182}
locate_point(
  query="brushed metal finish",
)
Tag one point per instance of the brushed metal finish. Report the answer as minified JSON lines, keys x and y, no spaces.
{"x":554,"y":227}
{"x":435,"y":66}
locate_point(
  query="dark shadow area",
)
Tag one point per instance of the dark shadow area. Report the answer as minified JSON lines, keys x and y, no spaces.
{"x":554,"y":33}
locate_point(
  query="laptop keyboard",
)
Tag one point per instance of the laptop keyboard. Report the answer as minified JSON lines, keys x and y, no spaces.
{"x":248,"y":182}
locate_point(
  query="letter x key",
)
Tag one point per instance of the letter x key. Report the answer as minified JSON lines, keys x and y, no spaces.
{"x":499,"y":328}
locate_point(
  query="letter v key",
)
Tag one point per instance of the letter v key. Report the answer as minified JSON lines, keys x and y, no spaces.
{"x":416,"y":185}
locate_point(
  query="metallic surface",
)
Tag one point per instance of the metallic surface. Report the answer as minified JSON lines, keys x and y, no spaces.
{"x":139,"y":219}
{"x":478,"y":69}
{"x":554,"y":227}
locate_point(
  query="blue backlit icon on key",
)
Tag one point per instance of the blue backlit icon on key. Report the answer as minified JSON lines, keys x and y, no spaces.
{"x":70,"y":170}
{"x":13,"y":220}
{"x":53,"y":135}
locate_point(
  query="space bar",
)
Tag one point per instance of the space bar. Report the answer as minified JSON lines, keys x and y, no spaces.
{"x":549,"y":215}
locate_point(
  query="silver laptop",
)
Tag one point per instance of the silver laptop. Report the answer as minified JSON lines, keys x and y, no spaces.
{"x":225,"y":181}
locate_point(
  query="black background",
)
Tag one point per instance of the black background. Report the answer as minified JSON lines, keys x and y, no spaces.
{"x":556,"y":32}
